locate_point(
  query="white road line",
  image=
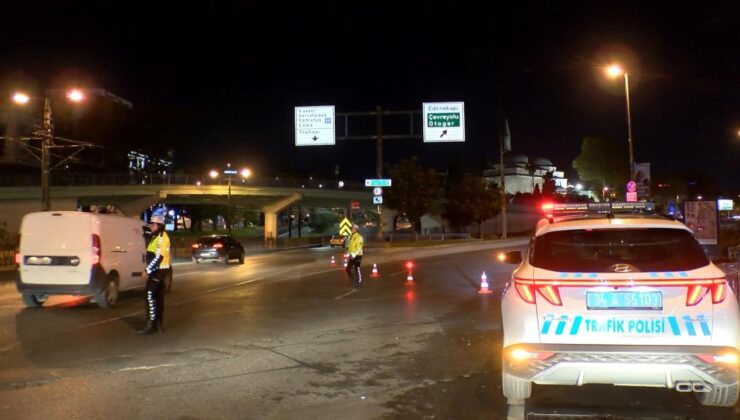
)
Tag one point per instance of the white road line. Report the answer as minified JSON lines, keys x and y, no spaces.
{"x":346,"y":294}
{"x":150,"y":367}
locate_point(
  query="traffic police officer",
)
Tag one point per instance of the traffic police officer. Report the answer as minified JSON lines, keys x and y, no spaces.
{"x":354,"y":249}
{"x":158,"y":268}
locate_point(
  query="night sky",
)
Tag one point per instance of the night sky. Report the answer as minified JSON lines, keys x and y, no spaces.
{"x":218,"y":83}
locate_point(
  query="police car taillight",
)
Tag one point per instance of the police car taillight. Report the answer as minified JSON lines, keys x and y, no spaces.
{"x":726,"y":358}
{"x":520,"y":354}
{"x":528,"y":290}
{"x":697,"y":292}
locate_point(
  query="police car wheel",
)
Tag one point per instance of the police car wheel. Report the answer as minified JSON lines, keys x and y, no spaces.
{"x":719,"y":396}
{"x":515,"y":389}
{"x":33,"y":301}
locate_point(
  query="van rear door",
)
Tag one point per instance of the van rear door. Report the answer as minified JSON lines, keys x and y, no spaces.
{"x":56,"y":248}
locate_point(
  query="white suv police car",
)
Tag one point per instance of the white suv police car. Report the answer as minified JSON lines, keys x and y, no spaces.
{"x":618,"y":298}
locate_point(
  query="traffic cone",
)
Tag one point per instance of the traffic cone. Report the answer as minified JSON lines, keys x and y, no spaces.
{"x":333,"y":261}
{"x":410,"y":275}
{"x":375,"y":271}
{"x":484,"y":284}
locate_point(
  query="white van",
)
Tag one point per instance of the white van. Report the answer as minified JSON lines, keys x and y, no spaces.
{"x":76,"y":253}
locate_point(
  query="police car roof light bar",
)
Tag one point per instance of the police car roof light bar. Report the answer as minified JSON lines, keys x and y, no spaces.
{"x":610,"y":207}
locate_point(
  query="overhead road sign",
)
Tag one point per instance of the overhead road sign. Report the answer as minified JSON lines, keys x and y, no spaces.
{"x":444,"y":122}
{"x":315,"y":126}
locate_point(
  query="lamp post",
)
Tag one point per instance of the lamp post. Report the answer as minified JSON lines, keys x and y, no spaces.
{"x":229,"y":172}
{"x":46,"y":132}
{"x":614,"y":71}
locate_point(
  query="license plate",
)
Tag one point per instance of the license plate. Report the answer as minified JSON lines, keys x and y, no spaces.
{"x":624,"y":300}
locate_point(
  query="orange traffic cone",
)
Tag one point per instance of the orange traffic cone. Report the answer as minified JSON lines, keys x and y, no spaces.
{"x":333,"y":261}
{"x":484,"y":284}
{"x":410,"y":275}
{"x":375,"y":271}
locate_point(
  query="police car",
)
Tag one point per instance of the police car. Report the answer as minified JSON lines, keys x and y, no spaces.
{"x":610,"y":293}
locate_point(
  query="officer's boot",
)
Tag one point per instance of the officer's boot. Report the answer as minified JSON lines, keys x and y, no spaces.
{"x":151,"y":328}
{"x":151,"y":315}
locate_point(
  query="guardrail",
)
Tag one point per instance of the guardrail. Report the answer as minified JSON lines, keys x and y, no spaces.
{"x":68,"y":179}
{"x":7,"y":257}
{"x":425,"y":236}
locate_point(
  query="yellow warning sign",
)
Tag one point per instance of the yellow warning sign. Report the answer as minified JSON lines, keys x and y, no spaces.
{"x":345,"y":227}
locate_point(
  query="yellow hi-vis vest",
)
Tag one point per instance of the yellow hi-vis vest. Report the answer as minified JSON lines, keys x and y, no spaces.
{"x":160,"y":247}
{"x":355,"y":244}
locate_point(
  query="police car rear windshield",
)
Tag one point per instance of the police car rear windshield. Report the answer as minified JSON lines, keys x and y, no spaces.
{"x":598,"y":250}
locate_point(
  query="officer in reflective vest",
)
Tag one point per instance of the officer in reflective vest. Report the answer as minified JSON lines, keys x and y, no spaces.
{"x":158,"y":269}
{"x":356,"y":241}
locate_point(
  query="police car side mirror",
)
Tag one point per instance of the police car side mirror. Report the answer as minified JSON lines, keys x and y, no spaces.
{"x":511,"y":257}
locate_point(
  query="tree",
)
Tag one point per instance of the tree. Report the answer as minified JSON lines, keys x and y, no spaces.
{"x":473,"y":199}
{"x":200,"y":212}
{"x":604,"y":162}
{"x":415,"y":191}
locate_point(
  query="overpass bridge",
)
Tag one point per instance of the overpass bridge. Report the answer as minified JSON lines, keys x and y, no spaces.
{"x":133,"y":199}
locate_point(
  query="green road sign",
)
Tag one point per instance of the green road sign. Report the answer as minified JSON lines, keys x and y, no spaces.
{"x":448,"y":119}
{"x":377,"y":182}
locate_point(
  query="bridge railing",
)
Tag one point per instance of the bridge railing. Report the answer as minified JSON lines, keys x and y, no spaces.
{"x":84,"y":179}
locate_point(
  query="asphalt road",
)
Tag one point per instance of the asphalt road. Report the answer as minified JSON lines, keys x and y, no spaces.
{"x":284,"y":336}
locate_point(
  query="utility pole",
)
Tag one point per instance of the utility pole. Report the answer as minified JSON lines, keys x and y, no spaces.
{"x":379,"y":113}
{"x":47,"y":138}
{"x":46,"y":132}
{"x":379,"y":164}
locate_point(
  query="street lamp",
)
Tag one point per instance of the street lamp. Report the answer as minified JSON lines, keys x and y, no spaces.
{"x":47,"y":129}
{"x":228,"y":173}
{"x":47,"y":138}
{"x":614,"y":71}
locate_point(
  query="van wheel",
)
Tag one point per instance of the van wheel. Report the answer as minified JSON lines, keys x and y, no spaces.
{"x":515,"y":390}
{"x":108,"y":296}
{"x":719,"y":396}
{"x":168,"y":282}
{"x":33,"y":301}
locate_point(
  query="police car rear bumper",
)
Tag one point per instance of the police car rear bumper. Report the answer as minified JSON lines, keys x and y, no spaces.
{"x":658,"y":366}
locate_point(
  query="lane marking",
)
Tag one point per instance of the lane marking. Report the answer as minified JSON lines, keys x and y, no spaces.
{"x":346,"y":294}
{"x":150,"y":367}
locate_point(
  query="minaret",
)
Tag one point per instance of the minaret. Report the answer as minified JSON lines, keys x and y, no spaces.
{"x":507,"y":136}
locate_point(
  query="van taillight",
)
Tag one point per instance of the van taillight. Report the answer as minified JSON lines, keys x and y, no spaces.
{"x":96,"y":249}
{"x":18,"y":258}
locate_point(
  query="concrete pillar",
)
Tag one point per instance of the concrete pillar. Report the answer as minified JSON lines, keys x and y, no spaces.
{"x":270,"y":229}
{"x":271,"y":211}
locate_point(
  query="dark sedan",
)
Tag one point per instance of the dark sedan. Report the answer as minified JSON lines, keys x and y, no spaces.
{"x":222,"y":248}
